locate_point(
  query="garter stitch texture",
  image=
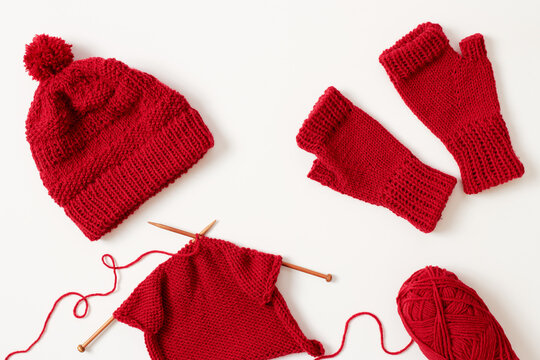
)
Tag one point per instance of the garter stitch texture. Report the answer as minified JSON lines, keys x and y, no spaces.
{"x":456,"y":98}
{"x":215,"y":300}
{"x":106,"y":137}
{"x":358,"y":157}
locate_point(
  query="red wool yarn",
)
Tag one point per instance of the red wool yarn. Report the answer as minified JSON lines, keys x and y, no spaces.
{"x":455,"y":96}
{"x":448,"y":320}
{"x":84,"y":300}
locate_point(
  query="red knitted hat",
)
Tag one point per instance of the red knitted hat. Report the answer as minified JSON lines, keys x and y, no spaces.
{"x":106,"y":137}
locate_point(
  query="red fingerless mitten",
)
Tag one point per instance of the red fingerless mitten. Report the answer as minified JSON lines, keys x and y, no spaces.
{"x":455,"y":97}
{"x":358,"y":157}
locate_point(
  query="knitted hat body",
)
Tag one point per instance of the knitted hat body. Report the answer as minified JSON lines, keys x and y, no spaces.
{"x":215,"y":300}
{"x":455,"y":96}
{"x":106,"y":137}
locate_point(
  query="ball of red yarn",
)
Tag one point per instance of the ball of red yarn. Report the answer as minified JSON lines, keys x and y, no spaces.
{"x":46,"y":56}
{"x":448,"y":320}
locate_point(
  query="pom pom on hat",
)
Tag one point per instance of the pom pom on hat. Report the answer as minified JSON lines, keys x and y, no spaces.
{"x":46,"y":56}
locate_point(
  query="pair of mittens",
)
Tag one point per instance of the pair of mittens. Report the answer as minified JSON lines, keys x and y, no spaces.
{"x":454,"y":95}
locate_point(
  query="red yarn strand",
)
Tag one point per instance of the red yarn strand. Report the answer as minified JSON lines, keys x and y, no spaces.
{"x":84,"y":298}
{"x":381,"y":331}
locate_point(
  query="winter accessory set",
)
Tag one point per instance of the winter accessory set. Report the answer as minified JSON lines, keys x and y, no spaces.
{"x":106,"y":137}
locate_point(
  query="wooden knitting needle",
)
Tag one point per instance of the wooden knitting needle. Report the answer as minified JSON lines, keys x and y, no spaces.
{"x":327,"y":277}
{"x":82,"y":347}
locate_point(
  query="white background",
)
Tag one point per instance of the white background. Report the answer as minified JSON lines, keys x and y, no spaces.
{"x":253,"y":70}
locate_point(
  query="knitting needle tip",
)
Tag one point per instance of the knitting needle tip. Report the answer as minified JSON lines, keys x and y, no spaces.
{"x":327,"y":277}
{"x":208,"y":227}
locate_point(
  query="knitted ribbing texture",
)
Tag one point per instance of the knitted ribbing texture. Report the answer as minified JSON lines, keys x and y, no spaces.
{"x":358,"y":157}
{"x":106,"y":137}
{"x":455,"y":97}
{"x":215,"y":300}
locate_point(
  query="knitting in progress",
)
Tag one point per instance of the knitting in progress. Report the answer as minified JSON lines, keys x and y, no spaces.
{"x":82,"y":347}
{"x":455,"y":97}
{"x":106,"y":137}
{"x":215,"y":300}
{"x":358,"y":157}
{"x":446,"y":318}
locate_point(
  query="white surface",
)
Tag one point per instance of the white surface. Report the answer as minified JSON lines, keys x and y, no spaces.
{"x":254,"y":69}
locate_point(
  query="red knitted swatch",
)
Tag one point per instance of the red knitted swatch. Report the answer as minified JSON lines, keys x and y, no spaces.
{"x":455,"y":97}
{"x":215,"y":300}
{"x":358,"y":157}
{"x":106,"y":137}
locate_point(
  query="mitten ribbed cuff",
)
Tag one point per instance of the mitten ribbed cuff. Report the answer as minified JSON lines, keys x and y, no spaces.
{"x":414,"y":51}
{"x":415,"y":192}
{"x":418,"y":193}
{"x":485,"y":155}
{"x":330,"y":110}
